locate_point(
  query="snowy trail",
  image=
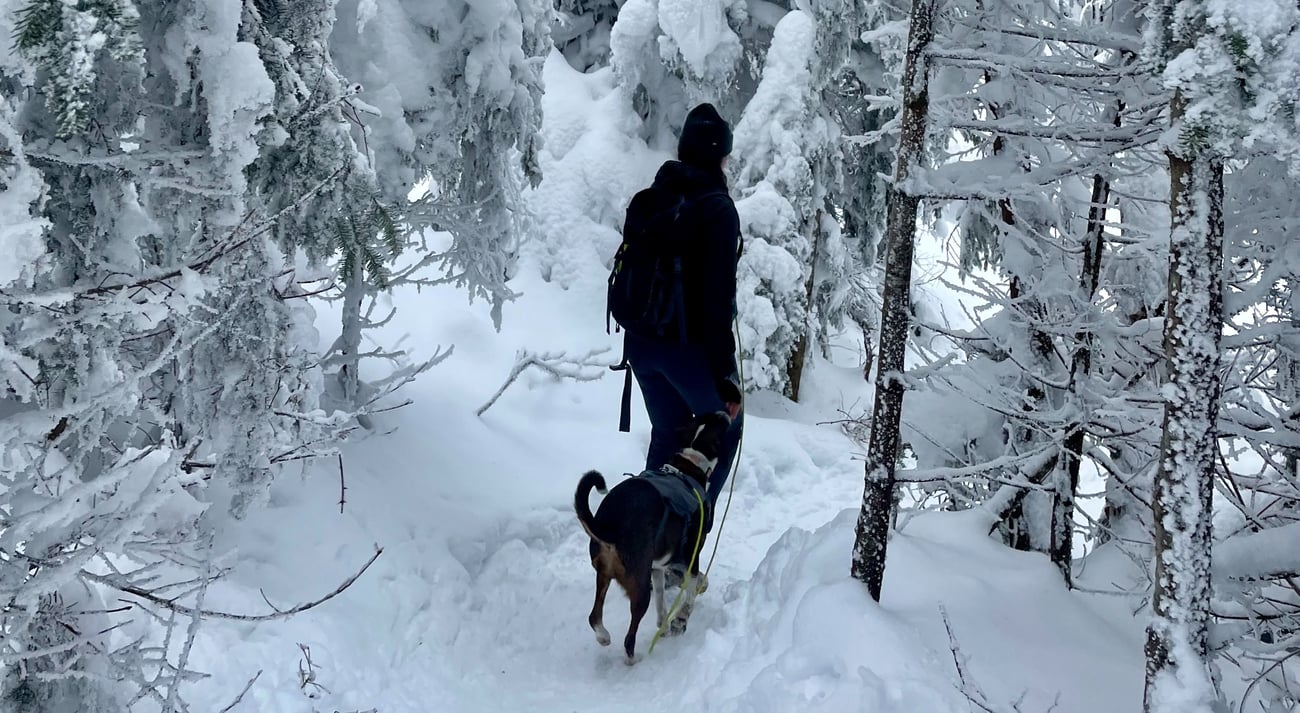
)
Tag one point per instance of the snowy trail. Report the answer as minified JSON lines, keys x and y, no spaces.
{"x":479,"y":601}
{"x":521,"y":638}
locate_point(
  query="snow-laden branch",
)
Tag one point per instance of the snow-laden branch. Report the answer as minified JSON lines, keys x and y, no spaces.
{"x":1095,"y":72}
{"x":558,"y":364}
{"x":172,"y":605}
{"x":982,"y":470}
{"x":1267,"y":554}
{"x":1108,"y":39}
{"x":1080,"y":133}
{"x":242,"y":236}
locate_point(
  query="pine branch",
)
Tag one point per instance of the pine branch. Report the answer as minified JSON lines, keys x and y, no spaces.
{"x":240,"y":238}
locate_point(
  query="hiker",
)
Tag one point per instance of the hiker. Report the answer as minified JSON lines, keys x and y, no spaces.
{"x":687,"y":366}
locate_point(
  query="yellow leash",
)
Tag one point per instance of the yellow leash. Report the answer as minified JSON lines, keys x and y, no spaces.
{"x":699,"y":535}
{"x":695,"y":551}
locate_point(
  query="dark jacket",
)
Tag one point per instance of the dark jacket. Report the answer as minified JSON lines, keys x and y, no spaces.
{"x":709,"y":264}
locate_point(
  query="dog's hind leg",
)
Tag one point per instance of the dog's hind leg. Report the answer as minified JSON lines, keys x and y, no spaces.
{"x":597,"y":618}
{"x":640,"y":603}
{"x":689,"y":589}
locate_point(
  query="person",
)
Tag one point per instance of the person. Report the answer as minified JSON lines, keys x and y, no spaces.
{"x":680,"y":379}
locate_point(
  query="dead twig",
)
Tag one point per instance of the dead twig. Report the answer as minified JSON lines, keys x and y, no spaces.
{"x":240,"y":697}
{"x":343,"y":486}
{"x":307,"y":674}
{"x":970,"y":688}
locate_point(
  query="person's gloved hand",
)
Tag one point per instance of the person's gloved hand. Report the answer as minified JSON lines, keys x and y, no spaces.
{"x":729,"y":390}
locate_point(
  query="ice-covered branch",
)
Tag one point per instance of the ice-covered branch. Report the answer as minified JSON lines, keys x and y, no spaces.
{"x":558,"y":364}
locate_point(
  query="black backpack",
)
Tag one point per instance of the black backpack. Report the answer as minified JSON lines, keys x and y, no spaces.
{"x":646,"y":294}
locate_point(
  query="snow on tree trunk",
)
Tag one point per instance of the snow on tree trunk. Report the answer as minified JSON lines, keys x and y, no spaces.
{"x":786,"y":150}
{"x":1177,"y":646}
{"x":872,"y":535}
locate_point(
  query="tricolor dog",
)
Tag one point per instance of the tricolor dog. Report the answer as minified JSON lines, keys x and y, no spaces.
{"x":643,"y":522}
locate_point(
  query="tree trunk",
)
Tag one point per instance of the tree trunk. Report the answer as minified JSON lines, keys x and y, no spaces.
{"x":354,"y":292}
{"x":872,"y":532}
{"x":1067,"y":480}
{"x":798,"y":357}
{"x":1177,"y":645}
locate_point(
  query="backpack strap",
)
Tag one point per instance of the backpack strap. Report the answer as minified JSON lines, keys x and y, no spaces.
{"x":625,"y":407}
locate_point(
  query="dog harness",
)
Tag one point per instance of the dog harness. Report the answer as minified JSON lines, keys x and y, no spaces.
{"x":682,"y":493}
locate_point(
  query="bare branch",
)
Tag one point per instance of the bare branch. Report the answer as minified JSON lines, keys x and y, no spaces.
{"x":558,"y":364}
{"x":173,"y":606}
{"x":240,"y":697}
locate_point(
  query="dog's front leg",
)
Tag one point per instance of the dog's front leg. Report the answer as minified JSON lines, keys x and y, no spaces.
{"x":657,"y":582}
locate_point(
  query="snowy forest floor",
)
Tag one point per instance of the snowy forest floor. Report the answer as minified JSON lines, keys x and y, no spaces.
{"x":479,"y":600}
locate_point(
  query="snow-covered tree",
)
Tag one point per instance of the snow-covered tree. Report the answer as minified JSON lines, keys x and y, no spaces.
{"x":455,"y":89}
{"x":582,"y":31}
{"x":786,"y":150}
{"x":670,"y":55}
{"x":864,"y":101}
{"x":788,"y":157}
{"x":871,"y":538}
{"x":1232,"y":74}
{"x":156,"y":373}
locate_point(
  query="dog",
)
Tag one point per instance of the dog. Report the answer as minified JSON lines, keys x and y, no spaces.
{"x":636,"y":532}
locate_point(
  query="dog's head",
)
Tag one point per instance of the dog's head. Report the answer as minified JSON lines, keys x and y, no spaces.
{"x":701,"y":441}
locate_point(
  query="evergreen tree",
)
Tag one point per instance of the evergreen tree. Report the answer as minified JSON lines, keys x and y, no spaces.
{"x":871,"y":537}
{"x":155,"y":372}
{"x":788,"y":152}
{"x":582,"y":31}
{"x":470,"y":123}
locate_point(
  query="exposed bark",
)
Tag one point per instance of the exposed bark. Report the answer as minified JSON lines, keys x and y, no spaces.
{"x":349,"y":341}
{"x":872,"y":532}
{"x":1067,"y":481}
{"x":799,"y":357}
{"x":1177,"y":642}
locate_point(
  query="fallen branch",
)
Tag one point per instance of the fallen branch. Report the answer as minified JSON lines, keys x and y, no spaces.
{"x":970,"y":688}
{"x":558,"y":364}
{"x":171,"y":604}
{"x":240,"y":697}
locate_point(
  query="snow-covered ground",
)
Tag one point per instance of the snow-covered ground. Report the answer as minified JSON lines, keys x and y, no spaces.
{"x":479,"y":600}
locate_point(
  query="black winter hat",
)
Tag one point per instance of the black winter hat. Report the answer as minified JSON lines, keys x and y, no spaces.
{"x":706,"y":137}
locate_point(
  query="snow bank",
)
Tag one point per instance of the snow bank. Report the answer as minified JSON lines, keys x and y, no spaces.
{"x":809,"y":638}
{"x":813,"y":640}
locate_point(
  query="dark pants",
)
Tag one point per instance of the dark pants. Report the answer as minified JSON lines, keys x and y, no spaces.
{"x":676,"y":385}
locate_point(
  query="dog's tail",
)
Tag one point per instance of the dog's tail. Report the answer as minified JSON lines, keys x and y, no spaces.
{"x":590,"y":479}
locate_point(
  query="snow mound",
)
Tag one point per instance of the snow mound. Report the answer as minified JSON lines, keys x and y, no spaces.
{"x":813,"y":640}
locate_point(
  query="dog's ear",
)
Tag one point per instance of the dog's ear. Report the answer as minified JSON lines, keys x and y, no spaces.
{"x":710,"y":430}
{"x":729,"y":391}
{"x":684,"y":436}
